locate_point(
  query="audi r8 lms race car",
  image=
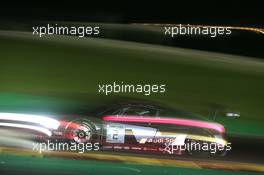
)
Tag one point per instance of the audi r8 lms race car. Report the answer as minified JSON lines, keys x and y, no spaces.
{"x":143,"y":128}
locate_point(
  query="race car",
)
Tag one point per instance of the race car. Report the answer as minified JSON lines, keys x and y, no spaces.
{"x":145,"y":128}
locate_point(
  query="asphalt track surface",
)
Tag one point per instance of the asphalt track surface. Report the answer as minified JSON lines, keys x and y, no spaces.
{"x":245,"y":157}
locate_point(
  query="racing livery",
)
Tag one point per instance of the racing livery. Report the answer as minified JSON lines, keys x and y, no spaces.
{"x":143,"y":127}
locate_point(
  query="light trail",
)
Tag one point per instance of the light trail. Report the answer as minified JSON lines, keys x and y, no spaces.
{"x":252,"y":29}
{"x":37,"y":119}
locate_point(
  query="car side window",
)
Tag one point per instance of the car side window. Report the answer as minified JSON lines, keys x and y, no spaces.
{"x":139,"y":111}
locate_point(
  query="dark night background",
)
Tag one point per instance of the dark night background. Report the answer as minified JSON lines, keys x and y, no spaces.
{"x":239,"y":13}
{"x":211,"y":12}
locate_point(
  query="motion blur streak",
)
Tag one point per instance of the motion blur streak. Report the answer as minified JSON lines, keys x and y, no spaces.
{"x":42,"y":120}
{"x":208,"y":139}
{"x":36,"y":128}
{"x":175,"y":121}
